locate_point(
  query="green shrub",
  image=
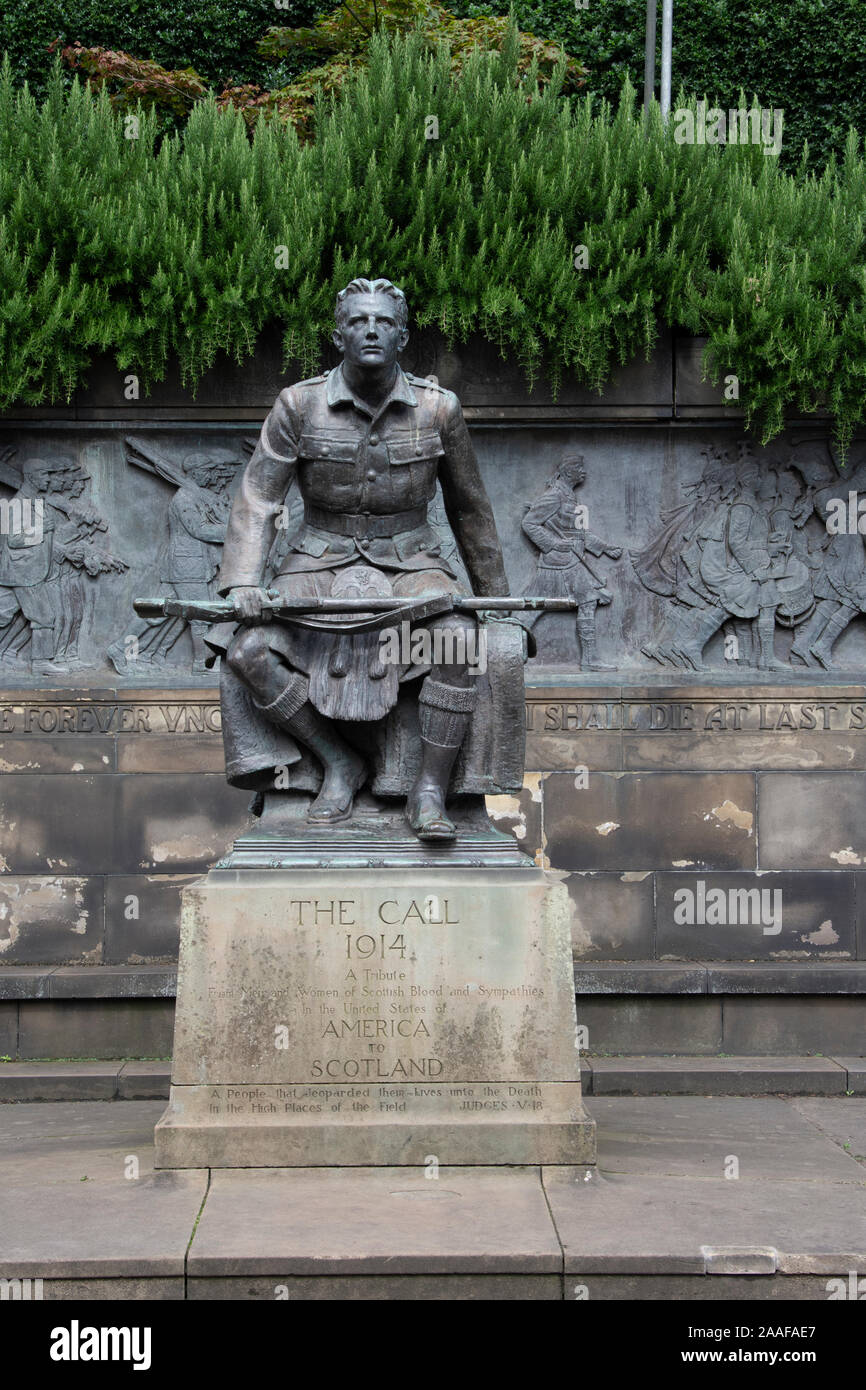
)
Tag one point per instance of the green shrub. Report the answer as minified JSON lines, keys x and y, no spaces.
{"x":805,"y":56}
{"x":105,"y":245}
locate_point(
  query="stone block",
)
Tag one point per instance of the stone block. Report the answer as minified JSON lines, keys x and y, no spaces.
{"x":50,"y":919}
{"x":855,"y":1068}
{"x":824,"y":1025}
{"x":24,"y":982}
{"x":114,"y":982}
{"x":357,"y":1288}
{"x":367,"y":1020}
{"x":168,"y":753}
{"x":520,"y":815}
{"x":8,"y":1030}
{"x":50,"y":1081}
{"x":374,"y":1221}
{"x":142,"y":916}
{"x":176,"y":822}
{"x":624,"y":1223}
{"x":811,"y":820}
{"x":35,"y":755}
{"x":716,"y":1076}
{"x":646,"y":821}
{"x":95,"y":1028}
{"x":785,"y":917}
{"x":651,"y":1025}
{"x":640,"y":977}
{"x":71,"y":831}
{"x":612,"y":915}
{"x":782,"y":978}
{"x":744,"y":750}
{"x":144,"y":1081}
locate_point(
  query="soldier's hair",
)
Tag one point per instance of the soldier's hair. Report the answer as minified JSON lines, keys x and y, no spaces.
{"x":362,"y":286}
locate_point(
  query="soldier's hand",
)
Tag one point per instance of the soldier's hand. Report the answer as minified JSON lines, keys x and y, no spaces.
{"x":248,"y":601}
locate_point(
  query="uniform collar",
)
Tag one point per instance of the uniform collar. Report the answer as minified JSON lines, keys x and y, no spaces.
{"x":340,"y":393}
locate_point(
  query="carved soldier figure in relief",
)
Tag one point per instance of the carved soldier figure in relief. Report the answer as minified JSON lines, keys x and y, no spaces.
{"x":556,"y":525}
{"x":365,"y":443}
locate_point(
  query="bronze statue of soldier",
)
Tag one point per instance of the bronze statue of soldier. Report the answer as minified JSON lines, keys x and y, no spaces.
{"x":366,"y":443}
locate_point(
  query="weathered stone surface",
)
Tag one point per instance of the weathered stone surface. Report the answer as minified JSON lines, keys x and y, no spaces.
{"x":695,"y":1136}
{"x":193,"y":753}
{"x":8,"y":1030}
{"x":642,"y":977}
{"x":839,"y":1121}
{"x":652,"y":1024}
{"x":783,"y":978}
{"x":71,"y":1208}
{"x":811,"y":820}
{"x":24,"y":982}
{"x":142,"y":916}
{"x":625,"y":1224}
{"x":356,"y":1288}
{"x":664,"y":1288}
{"x":612,"y":915}
{"x":520,"y":815}
{"x":73,"y":830}
{"x":114,"y":982}
{"x":41,"y":1081}
{"x":371,"y":1020}
{"x":50,"y":919}
{"x":731,"y":751}
{"x":716,"y":1076}
{"x":384,"y":1221}
{"x":856,"y":1070}
{"x":95,"y":1028}
{"x":819,"y":1025}
{"x":789,"y":917}
{"x":144,"y":1081}
{"x":68,"y":753}
{"x":643,"y":821}
{"x":176,"y":822}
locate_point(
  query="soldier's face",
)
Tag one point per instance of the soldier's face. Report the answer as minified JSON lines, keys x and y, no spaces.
{"x":368,"y":333}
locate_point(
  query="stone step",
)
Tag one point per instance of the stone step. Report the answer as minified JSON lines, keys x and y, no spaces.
{"x":600,"y":1076}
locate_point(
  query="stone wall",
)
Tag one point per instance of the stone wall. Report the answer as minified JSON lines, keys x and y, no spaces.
{"x":643,"y":781}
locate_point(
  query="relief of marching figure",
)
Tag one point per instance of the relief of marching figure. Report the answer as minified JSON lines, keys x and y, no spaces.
{"x":49,"y":564}
{"x":197,"y":518}
{"x":556,"y":525}
{"x":739,"y":556}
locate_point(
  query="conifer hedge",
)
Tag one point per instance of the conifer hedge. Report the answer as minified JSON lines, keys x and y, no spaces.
{"x":110,"y":244}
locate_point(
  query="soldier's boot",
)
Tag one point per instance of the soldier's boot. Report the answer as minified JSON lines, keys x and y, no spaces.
{"x":823,"y":648}
{"x":344,"y":770}
{"x":589,"y":660}
{"x":42,"y":645}
{"x":200,"y":652}
{"x":767,"y":660}
{"x":691,"y":651}
{"x":443,"y":715}
{"x":809,"y":632}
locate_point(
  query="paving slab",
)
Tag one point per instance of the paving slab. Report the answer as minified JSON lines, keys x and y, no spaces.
{"x":698,"y":1136}
{"x":839,"y":1120}
{"x":71,"y":1205}
{"x":620,"y":1223}
{"x":304,"y":1221}
{"x":718,"y":1076}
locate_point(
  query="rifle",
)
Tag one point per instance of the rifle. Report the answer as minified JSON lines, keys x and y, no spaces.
{"x":372,"y":612}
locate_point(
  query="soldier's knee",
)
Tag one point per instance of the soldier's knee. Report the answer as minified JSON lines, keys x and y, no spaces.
{"x":248,"y":653}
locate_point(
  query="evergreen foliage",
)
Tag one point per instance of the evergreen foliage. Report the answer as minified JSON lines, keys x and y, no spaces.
{"x":108,"y":244}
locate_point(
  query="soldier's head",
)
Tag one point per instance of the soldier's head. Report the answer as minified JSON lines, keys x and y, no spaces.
{"x":50,"y":474}
{"x":748,"y":469}
{"x":572,"y":470}
{"x":371,"y":318}
{"x":201,"y":468}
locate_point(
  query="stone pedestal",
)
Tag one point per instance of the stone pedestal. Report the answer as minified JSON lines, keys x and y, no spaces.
{"x":375,"y":1017}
